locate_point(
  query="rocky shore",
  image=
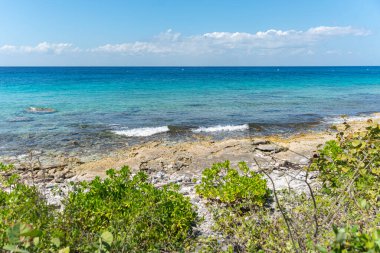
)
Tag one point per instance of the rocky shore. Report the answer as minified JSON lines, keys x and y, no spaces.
{"x":182,"y":162}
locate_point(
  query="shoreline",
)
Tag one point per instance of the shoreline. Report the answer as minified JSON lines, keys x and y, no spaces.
{"x":194,"y":156}
{"x":182,"y":163}
{"x":86,"y":139}
{"x":177,"y":157}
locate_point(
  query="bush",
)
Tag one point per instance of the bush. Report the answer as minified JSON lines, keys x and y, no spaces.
{"x":140,"y":217}
{"x":238,"y":197}
{"x":345,"y":192}
{"x":241,"y":187}
{"x":118,"y":214}
{"x":352,"y":162}
{"x":24,"y":214}
{"x":351,"y":239}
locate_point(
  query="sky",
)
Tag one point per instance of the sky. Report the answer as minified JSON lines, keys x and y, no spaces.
{"x":189,"y":33}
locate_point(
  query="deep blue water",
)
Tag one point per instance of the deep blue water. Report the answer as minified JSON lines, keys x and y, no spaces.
{"x":106,"y":107}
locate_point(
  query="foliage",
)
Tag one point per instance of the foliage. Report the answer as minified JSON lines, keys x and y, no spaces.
{"x":253,"y":231}
{"x":352,"y":159}
{"x":118,"y":214}
{"x":347,"y":169}
{"x":238,"y":198}
{"x":351,"y":239}
{"x":140,"y":217}
{"x":125,"y":213}
{"x":242,"y":187}
{"x":24,"y":214}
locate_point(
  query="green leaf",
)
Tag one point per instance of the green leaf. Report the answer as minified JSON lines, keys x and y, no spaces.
{"x":36,"y":241}
{"x":14,"y":248}
{"x":321,"y":249}
{"x":341,"y":236}
{"x":56,"y":242}
{"x":107,"y":237}
{"x":356,"y":143}
{"x":32,"y":233}
{"x":64,"y":250}
{"x":363,"y":203}
{"x":13,"y":234}
{"x":25,"y":229}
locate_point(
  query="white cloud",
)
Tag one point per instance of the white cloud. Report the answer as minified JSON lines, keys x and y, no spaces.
{"x":268,"y":42}
{"x":337,"y":30}
{"x":43,"y":47}
{"x":8,"y":48}
{"x":133,"y":48}
{"x":220,"y":42}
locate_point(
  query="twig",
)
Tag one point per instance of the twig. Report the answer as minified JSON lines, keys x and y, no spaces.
{"x":279,"y":206}
{"x":314,"y":203}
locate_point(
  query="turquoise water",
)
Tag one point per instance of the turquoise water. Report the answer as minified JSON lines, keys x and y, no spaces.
{"x":101,"y":108}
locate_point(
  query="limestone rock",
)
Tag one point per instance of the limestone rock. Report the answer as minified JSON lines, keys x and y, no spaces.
{"x":259,"y":142}
{"x":270,"y":148}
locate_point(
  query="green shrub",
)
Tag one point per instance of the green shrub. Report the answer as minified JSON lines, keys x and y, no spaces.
{"x":353,"y":159}
{"x":351,"y":239}
{"x":259,"y":230}
{"x":140,"y":217}
{"x":240,"y":187}
{"x":237,"y":198}
{"x":24,"y":214}
{"x":349,"y":169}
{"x":118,"y":214}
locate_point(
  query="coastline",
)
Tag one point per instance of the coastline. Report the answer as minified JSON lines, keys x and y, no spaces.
{"x":187,"y":157}
{"x":191,"y":157}
{"x":182,"y":163}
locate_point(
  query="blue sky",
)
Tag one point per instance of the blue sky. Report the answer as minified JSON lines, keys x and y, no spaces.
{"x":196,"y":32}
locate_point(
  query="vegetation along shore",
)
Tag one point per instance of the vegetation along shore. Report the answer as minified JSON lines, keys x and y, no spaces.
{"x":309,"y":192}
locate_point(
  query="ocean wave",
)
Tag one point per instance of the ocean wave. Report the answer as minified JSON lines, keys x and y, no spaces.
{"x":220,"y":128}
{"x":142,"y":132}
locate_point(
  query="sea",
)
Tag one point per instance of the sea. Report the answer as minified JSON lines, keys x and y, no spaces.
{"x":100,"y":109}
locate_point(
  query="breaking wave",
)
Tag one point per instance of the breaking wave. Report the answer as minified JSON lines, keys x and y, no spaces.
{"x":340,"y":119}
{"x":142,"y":132}
{"x":220,"y":128}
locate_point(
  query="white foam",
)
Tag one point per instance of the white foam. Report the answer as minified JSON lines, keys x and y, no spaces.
{"x":142,"y":132}
{"x":340,"y":120}
{"x":220,"y":128}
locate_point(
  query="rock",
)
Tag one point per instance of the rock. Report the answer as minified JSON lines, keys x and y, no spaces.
{"x":144,"y":166}
{"x":270,"y":148}
{"x":159,"y":175}
{"x":42,"y":180}
{"x":259,"y":142}
{"x":52,"y":172}
{"x":40,"y":110}
{"x":60,"y":174}
{"x":69,"y":174}
{"x":196,"y":199}
{"x":287,"y":164}
{"x":182,"y":162}
{"x":40,"y":173}
{"x":304,"y":161}
{"x":49,"y":177}
{"x":59,"y":180}
{"x":74,"y":143}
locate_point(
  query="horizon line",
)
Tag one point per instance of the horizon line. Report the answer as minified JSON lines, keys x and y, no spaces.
{"x":178,"y":66}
